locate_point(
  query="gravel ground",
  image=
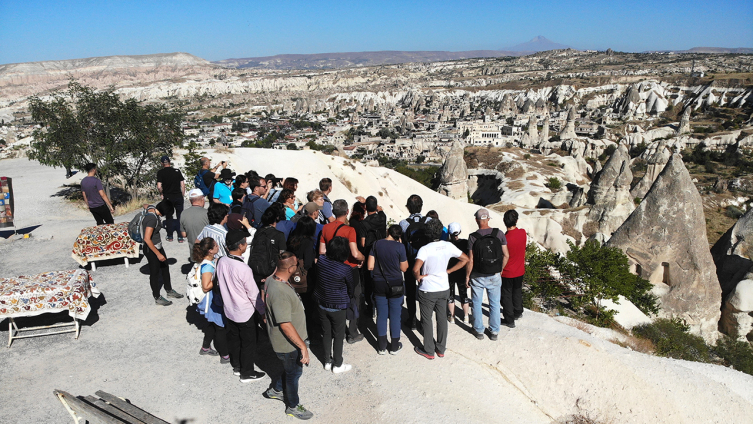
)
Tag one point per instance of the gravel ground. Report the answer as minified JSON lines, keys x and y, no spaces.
{"x":149,"y":354}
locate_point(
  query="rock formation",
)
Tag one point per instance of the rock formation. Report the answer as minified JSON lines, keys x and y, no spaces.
{"x":531,"y":137}
{"x":665,"y":238}
{"x":544,"y":136}
{"x":684,"y":127}
{"x":453,"y":177}
{"x":610,"y":193}
{"x":654,"y":165}
{"x":568,"y":132}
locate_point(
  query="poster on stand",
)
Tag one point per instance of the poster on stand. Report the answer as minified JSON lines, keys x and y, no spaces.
{"x":6,"y":202}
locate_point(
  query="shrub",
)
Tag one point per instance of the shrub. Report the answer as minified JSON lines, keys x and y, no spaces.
{"x":672,"y":339}
{"x":733,"y":212}
{"x":527,"y":156}
{"x":738,"y":355}
{"x":637,"y":200}
{"x":554,"y":183}
{"x":538,"y":280}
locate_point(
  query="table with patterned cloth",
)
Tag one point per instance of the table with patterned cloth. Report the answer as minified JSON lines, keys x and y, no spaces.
{"x":104,"y":242}
{"x":50,"y":292}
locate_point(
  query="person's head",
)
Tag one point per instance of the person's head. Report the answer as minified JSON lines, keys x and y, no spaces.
{"x":196,"y":197}
{"x":235,"y":241}
{"x":433,"y":229}
{"x":287,"y":196}
{"x":251,"y":175}
{"x":238,"y":194}
{"x":312,"y":210}
{"x":271,"y":216}
{"x":290,"y":184}
{"x":338,"y":249}
{"x":165,"y":161}
{"x":432,"y":214}
{"x":271,"y":180}
{"x":358,"y":213}
{"x":315,"y":196}
{"x":286,"y":264}
{"x":395,"y":232}
{"x":454,"y":230}
{"x":325,"y":185}
{"x":304,"y":229}
{"x":482,"y":218}
{"x":226,"y":176}
{"x":510,"y":218}
{"x":165,"y":208}
{"x":258,"y":186}
{"x":204,"y":249}
{"x":415,"y":204}
{"x":241,"y":181}
{"x":217,"y":213}
{"x":340,"y":208}
{"x":205,"y":163}
{"x":90,"y":168}
{"x":371,"y":204}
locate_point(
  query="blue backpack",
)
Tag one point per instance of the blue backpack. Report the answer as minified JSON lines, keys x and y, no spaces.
{"x":199,"y":183}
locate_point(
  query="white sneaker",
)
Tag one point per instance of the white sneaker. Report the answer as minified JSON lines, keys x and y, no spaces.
{"x":328,"y":366}
{"x":342,"y":368}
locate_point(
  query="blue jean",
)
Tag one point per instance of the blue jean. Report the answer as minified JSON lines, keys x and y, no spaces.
{"x":493,"y":286}
{"x":388,"y":308}
{"x":292,"y":368}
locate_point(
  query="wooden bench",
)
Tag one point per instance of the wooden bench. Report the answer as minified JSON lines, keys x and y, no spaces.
{"x":104,"y":409}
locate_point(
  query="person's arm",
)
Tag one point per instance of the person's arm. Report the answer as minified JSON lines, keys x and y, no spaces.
{"x":159,"y":188}
{"x":252,"y":291}
{"x":505,"y":257}
{"x":322,"y":248}
{"x":462,"y":261}
{"x":331,"y":218}
{"x":85,"y":200}
{"x":417,"y":270}
{"x":362,"y":242}
{"x":292,"y":334}
{"x":206,"y":281}
{"x":469,"y":268}
{"x":403,"y":266}
{"x":370,"y":263}
{"x":183,"y":188}
{"x":107,"y":200}
{"x":355,"y":252}
{"x":148,"y":231}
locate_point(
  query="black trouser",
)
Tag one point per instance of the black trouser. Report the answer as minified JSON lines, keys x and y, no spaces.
{"x":171,"y":224}
{"x":410,"y":293}
{"x":213,"y":332}
{"x":102,"y":215}
{"x":241,"y":342}
{"x":333,"y":324}
{"x":157,"y":268}
{"x":357,"y":295}
{"x":368,"y":288}
{"x":512,"y":297}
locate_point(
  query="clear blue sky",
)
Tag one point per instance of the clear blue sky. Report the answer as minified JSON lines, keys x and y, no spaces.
{"x":66,"y":29}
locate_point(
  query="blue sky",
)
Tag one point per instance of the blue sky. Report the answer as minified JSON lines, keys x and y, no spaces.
{"x":68,"y":29}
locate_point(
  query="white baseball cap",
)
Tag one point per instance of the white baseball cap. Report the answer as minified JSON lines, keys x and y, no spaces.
{"x":453,"y":228}
{"x":195,"y":193}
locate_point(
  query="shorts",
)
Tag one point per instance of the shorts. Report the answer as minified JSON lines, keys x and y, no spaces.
{"x":462,"y":292}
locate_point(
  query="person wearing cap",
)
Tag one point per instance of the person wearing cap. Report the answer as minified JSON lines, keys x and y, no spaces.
{"x":155,"y":253}
{"x":172,"y":187}
{"x":314,"y":211}
{"x":484,"y":273}
{"x":242,"y":303}
{"x":457,"y":278}
{"x":223,"y":189}
{"x":255,"y":203}
{"x":194,"y":219}
{"x":236,"y":221}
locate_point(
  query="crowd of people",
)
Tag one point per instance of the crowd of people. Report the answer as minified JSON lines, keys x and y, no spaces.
{"x":320,"y":271}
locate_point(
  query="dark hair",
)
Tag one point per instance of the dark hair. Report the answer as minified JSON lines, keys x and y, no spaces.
{"x":395,"y":231}
{"x":510,"y":218}
{"x":216,"y":213}
{"x":304,"y":228}
{"x":371,"y":204}
{"x":433,"y":229}
{"x":165,"y":207}
{"x":89,"y":166}
{"x":359,"y":212}
{"x":238,"y":193}
{"x":338,"y":249}
{"x":290,"y":183}
{"x":339,"y":208}
{"x":279,"y":209}
{"x":251,"y":175}
{"x":236,"y":245}
{"x":325,"y":184}
{"x":285,"y":194}
{"x":202,"y":248}
{"x":240,"y":179}
{"x":271,"y":215}
{"x":432,"y":214}
{"x":204,"y":161}
{"x":415,"y":203}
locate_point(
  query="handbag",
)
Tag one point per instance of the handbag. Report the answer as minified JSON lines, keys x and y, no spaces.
{"x":299,"y":280}
{"x":394,"y":290}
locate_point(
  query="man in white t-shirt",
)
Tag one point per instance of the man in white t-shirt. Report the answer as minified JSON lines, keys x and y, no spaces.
{"x":432,"y":275}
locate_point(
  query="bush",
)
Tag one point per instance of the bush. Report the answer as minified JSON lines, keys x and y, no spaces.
{"x":527,"y":156}
{"x":733,"y":212}
{"x":554,"y":183}
{"x":538,"y":281}
{"x":672,"y":339}
{"x":738,"y":355}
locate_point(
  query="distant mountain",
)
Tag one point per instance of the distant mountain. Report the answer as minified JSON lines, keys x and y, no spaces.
{"x":743,"y":50}
{"x":350,"y":59}
{"x":537,"y":44}
{"x":109,"y":63}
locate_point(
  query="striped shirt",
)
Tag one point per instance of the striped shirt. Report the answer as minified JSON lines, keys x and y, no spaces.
{"x":335,"y":283}
{"x":218,"y":233}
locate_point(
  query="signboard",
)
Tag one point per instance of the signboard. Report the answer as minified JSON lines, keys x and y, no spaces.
{"x":6,"y":202}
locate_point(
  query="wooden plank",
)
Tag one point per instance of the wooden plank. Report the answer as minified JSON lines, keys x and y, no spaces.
{"x":84,"y":410}
{"x":99,"y":403}
{"x":130,"y":409}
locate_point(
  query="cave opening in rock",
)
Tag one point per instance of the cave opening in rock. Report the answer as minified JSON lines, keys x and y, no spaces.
{"x":487,"y":190}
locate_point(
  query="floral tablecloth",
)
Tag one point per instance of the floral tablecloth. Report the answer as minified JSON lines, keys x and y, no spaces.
{"x":56,"y":291}
{"x":104,"y":242}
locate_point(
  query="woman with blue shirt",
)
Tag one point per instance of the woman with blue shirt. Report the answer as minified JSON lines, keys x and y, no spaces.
{"x":211,"y":305}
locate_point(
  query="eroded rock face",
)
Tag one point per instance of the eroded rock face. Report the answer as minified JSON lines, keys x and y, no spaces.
{"x":568,"y":132}
{"x":654,"y":165}
{"x":610,"y":193}
{"x":665,"y":237}
{"x":454,"y":175}
{"x":684,"y":127}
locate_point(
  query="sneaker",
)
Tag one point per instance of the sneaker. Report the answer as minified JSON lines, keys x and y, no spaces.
{"x":224,"y":361}
{"x":169,"y":239}
{"x":210,"y":352}
{"x":355,"y":339}
{"x":466,"y":321}
{"x":508,"y":324}
{"x":518,"y":316}
{"x":399,"y":348}
{"x":271,"y":393}
{"x":254,"y":376}
{"x":181,"y":240}
{"x":299,"y":412}
{"x":493,"y":336}
{"x":328,"y":366}
{"x":440,"y":354}
{"x":478,"y":335}
{"x":450,"y":318}
{"x":342,"y":368}
{"x":422,"y":353}
{"x":174,"y":294}
{"x":236,"y":371}
{"x":382,"y":352}
{"x":162,"y":301}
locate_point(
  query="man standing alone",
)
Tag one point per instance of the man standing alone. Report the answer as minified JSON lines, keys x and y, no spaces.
{"x":95,"y":196}
{"x":286,"y":324}
{"x":512,"y":274}
{"x":172,"y":187}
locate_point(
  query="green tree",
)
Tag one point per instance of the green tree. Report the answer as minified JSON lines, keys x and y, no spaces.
{"x":292,"y":146}
{"x":192,"y":166}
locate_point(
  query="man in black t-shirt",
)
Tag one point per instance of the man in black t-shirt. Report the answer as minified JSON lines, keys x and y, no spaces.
{"x":172,"y":187}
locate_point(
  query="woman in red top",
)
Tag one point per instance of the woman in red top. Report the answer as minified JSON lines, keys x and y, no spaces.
{"x":512,"y":275}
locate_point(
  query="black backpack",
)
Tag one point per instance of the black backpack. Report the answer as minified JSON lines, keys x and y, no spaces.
{"x":487,"y":253}
{"x":264,"y":253}
{"x":373,"y":232}
{"x":248,"y":211}
{"x":415,"y":237}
